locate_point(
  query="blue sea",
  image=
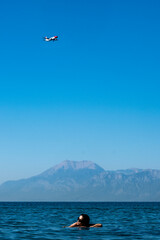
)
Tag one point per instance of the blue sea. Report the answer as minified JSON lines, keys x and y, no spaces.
{"x":39,"y":220}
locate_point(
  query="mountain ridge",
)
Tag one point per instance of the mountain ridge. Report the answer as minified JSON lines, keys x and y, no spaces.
{"x":84,"y":181}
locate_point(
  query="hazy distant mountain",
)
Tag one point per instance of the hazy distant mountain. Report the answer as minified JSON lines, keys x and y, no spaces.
{"x":84,"y":181}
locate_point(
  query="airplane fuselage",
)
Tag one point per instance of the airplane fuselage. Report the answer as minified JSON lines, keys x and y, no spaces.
{"x":51,"y":39}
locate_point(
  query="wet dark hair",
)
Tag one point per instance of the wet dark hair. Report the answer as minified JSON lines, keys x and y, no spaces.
{"x":84,"y":219}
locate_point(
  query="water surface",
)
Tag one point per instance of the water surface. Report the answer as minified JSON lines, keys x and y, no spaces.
{"x":47,"y":220}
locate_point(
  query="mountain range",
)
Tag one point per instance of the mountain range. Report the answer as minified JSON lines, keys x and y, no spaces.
{"x":84,"y":181}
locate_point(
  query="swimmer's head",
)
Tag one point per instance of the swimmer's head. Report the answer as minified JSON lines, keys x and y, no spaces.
{"x":84,"y":219}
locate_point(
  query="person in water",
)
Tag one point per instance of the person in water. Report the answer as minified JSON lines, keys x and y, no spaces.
{"x":83,"y":221}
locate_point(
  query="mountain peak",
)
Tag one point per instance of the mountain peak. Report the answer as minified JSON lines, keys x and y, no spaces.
{"x":74,"y":165}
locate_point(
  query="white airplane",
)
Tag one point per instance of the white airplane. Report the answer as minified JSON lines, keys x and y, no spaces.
{"x":51,"y":38}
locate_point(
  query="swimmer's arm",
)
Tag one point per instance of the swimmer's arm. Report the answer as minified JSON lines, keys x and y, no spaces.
{"x":76,"y":224}
{"x":97,"y":225}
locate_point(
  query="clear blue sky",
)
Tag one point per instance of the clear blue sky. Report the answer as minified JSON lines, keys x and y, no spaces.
{"x":92,"y":95}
